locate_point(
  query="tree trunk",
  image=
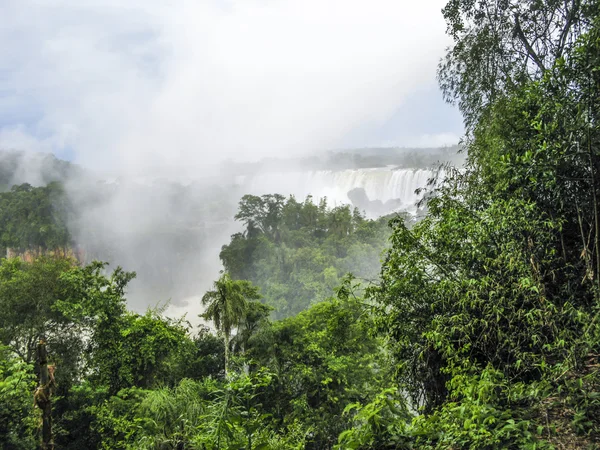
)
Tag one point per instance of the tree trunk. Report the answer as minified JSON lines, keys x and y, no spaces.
{"x":226,"y":339}
{"x":43,"y":395}
{"x":596,"y":215}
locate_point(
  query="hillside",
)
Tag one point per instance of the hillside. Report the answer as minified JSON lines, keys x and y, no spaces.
{"x":36,"y":169}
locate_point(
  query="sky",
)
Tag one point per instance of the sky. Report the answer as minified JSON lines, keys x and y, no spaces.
{"x":149,"y":85}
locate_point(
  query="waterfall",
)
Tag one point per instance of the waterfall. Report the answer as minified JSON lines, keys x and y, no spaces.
{"x":385,"y":184}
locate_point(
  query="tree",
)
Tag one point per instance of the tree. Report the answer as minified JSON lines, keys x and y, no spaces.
{"x":202,"y":357}
{"x":96,"y":302}
{"x":17,"y":421}
{"x":323,"y":358}
{"x":28,"y":296}
{"x":262,"y":213}
{"x":296,"y":265}
{"x":33,"y":219}
{"x":226,"y":305}
{"x":490,"y":303}
{"x":255,"y":318}
{"x":500,"y":45}
{"x":43,"y":395}
{"x":148,"y":343}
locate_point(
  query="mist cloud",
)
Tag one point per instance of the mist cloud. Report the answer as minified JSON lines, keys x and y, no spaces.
{"x":152,"y":92}
{"x":176,"y":87}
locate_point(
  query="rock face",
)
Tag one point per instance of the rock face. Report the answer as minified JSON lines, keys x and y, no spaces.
{"x":30,"y":255}
{"x":373,"y":208}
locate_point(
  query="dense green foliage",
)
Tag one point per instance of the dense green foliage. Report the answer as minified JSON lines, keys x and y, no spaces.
{"x":34,"y":218}
{"x":501,"y":46}
{"x":490,"y":304}
{"x":229,"y":304}
{"x":480,"y":331}
{"x":17,"y":423}
{"x":143,"y":381}
{"x":297,"y":252}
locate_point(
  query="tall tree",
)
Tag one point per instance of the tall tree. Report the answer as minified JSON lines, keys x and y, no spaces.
{"x":44,"y":393}
{"x":226,"y":305}
{"x":499,"y":45}
{"x":261,"y":213}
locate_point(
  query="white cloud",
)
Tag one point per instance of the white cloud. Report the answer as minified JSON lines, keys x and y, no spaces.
{"x":151,"y":85}
{"x":17,"y":138}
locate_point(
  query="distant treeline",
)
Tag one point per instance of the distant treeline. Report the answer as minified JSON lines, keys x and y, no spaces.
{"x":37,"y":169}
{"x":414,"y":158}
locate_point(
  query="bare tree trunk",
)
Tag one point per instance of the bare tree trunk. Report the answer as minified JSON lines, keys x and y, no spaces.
{"x":585,"y":253}
{"x":226,"y":339}
{"x":42,"y":396}
{"x":596,"y":214}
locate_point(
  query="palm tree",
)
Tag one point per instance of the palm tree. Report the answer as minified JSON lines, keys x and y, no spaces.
{"x":226,"y":306}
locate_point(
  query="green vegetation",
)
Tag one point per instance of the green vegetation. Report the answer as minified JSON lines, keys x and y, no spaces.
{"x":480,"y":329}
{"x":126,"y":380}
{"x":228,"y":304}
{"x":490,"y":304}
{"x":17,"y":382}
{"x":297,"y":252}
{"x":34,"y":218}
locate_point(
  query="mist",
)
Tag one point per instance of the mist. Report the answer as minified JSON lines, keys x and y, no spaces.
{"x":169,"y":233}
{"x":156,"y":101}
{"x":172,"y":89}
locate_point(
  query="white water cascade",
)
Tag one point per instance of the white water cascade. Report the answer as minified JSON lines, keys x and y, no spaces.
{"x":385,"y":184}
